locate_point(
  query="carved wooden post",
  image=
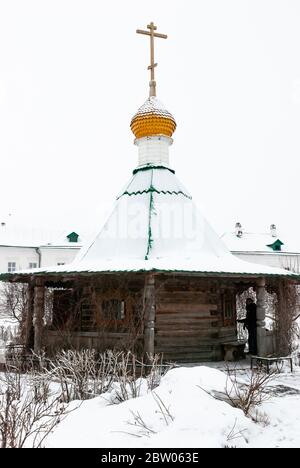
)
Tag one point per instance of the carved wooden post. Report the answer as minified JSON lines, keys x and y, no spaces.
{"x":284,"y":322}
{"x":260,"y":317}
{"x":38,"y":314}
{"x":149,"y":317}
{"x":29,"y":317}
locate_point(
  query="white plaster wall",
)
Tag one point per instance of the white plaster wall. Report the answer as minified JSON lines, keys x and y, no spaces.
{"x":22,"y":256}
{"x":153,"y":150}
{"x":280,"y":260}
{"x":54,"y":255}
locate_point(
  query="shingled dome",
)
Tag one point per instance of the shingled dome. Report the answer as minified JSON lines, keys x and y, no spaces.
{"x":152,"y":118}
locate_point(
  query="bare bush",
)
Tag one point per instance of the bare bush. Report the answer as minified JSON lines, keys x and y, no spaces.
{"x":81,"y":374}
{"x":163,"y":409}
{"x":127,"y":382}
{"x":29,"y":410}
{"x":85,"y":374}
{"x":12,"y":307}
{"x":13,"y":300}
{"x":144,"y":428}
{"x":247,"y":393}
{"x":131,"y":373}
{"x":233,"y":434}
{"x":250,"y":392}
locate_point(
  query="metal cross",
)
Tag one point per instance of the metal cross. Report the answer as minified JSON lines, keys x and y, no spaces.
{"x":152,"y":65}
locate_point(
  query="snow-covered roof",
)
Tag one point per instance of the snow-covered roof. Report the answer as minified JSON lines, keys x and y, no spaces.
{"x":155,"y":225}
{"x":21,"y":236}
{"x":257,"y":242}
{"x":201,"y":265}
{"x":153,"y":106}
{"x":158,"y":178}
{"x":152,"y":118}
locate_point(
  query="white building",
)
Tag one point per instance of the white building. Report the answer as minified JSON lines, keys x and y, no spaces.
{"x":23,"y":248}
{"x":266,"y":248}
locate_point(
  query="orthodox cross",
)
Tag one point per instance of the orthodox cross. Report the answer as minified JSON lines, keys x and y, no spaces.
{"x":152,"y":28}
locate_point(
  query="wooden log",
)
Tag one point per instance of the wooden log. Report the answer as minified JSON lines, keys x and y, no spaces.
{"x":261,"y":315}
{"x":189,"y":334}
{"x":183,"y":319}
{"x":164,"y":341}
{"x":185,"y":297}
{"x":38,"y":315}
{"x":28,"y":338}
{"x":185,"y":309}
{"x":149,"y":316}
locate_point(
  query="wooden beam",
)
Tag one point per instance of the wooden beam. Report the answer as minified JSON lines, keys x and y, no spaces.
{"x":261,"y":316}
{"x":38,"y":314}
{"x":29,"y":317}
{"x":149,"y":316}
{"x":147,"y":33}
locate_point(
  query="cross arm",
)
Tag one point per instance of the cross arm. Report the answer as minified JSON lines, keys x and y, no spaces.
{"x":147,"y":33}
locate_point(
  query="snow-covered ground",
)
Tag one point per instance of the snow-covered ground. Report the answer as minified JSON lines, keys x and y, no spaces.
{"x":181,"y":413}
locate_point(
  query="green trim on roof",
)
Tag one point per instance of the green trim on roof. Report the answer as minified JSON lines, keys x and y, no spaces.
{"x":153,"y":189}
{"x":6,"y":276}
{"x":151,"y":166}
{"x":151,"y":211}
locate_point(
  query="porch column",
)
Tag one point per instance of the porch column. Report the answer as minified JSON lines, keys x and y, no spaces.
{"x":260,"y":317}
{"x":29,"y":317}
{"x":38,"y":314}
{"x":149,"y":316}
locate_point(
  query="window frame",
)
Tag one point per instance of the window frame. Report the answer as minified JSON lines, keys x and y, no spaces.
{"x":11,"y":269}
{"x":120,"y":312}
{"x":229,"y":302}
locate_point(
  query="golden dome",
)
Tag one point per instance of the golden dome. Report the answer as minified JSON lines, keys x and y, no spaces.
{"x":152,"y":119}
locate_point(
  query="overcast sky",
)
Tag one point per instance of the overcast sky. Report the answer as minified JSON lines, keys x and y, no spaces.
{"x":73,"y":72}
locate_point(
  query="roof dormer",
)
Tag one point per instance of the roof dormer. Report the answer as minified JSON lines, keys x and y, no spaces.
{"x":276,"y":246}
{"x":73,"y":237}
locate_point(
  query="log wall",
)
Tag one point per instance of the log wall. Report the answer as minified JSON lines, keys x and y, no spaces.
{"x":189,"y":323}
{"x":56,"y":341}
{"x":191,"y":318}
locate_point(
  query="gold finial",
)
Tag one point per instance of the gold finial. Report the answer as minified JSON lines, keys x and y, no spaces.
{"x":152,"y":65}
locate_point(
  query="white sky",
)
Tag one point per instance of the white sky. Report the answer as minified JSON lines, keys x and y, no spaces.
{"x":73,"y":72}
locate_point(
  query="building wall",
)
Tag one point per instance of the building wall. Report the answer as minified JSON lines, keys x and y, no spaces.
{"x":277,"y":260}
{"x":23,"y":256}
{"x":52,"y":256}
{"x":190,"y":324}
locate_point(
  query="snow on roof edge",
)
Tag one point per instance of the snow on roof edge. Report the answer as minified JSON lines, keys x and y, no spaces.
{"x":147,"y":266}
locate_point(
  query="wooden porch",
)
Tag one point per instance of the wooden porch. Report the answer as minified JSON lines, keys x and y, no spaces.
{"x":186,"y":318}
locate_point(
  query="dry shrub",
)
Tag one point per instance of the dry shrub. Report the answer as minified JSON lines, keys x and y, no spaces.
{"x":132,"y":373}
{"x":249,"y":393}
{"x":81,"y":374}
{"x":29,"y":410}
{"x":246,"y":394}
{"x":143,"y":428}
{"x":85,"y":374}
